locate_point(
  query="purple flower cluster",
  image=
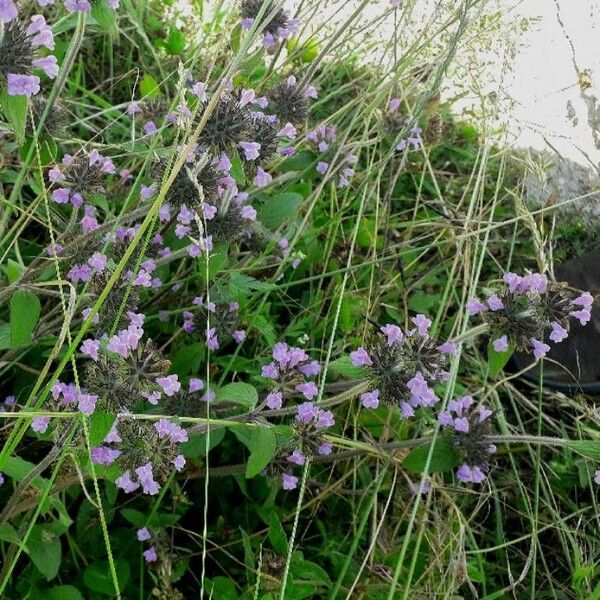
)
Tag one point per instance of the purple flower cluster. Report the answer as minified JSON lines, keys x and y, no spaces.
{"x":218,"y":322}
{"x":470,"y":425}
{"x":65,"y":395}
{"x":310,"y":424}
{"x":19,"y":51}
{"x":403,"y":367}
{"x":529,"y":310}
{"x":79,"y":176}
{"x":85,"y":6}
{"x":146,"y":451}
{"x":289,"y":370}
{"x":278,"y":27}
{"x":397,"y":122}
{"x":322,"y":140}
{"x":144,"y":535}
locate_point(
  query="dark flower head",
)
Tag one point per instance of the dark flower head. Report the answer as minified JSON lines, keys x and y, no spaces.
{"x":470,"y":426}
{"x":280,"y":20}
{"x":57,"y":118}
{"x":121,"y":299}
{"x":147,"y":453}
{"x":403,"y":368}
{"x":289,"y":101}
{"x":229,"y":124}
{"x":19,"y":55}
{"x":194,"y":183}
{"x":265,"y":132}
{"x":529,"y":309}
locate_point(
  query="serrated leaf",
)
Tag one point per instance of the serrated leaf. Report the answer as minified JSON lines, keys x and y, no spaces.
{"x":25,"y":309}
{"x":149,"y":87}
{"x":13,"y":270}
{"x":587,"y":448}
{"x":277,"y":209}
{"x":97,"y":576}
{"x":44,"y":549}
{"x":240,"y":393}
{"x":104,"y":15}
{"x":444,"y":458}
{"x":497,"y":360}
{"x":15,"y":111}
{"x":196,"y":445}
{"x":343,"y":366}
{"x":263,"y":446}
{"x":100,"y":424}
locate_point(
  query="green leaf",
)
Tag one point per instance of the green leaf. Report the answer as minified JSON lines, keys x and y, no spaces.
{"x":343,"y":366}
{"x":300,"y":161}
{"x":19,"y":469}
{"x":222,"y":587}
{"x":587,"y":448}
{"x":175,"y":43}
{"x":240,"y":393}
{"x":4,"y":335}
{"x":44,"y":550}
{"x":100,"y":424}
{"x":104,"y":15}
{"x":196,"y":445}
{"x":13,"y":270}
{"x":277,"y":209}
{"x":15,"y":111}
{"x":47,"y":150}
{"x":25,"y":309}
{"x":9,"y":534}
{"x":243,"y":284}
{"x":97,"y":576}
{"x":277,"y":535}
{"x":263,"y":446}
{"x":443,"y":458}
{"x":63,"y":592}
{"x":149,"y":87}
{"x":237,"y":169}
{"x":497,"y":360}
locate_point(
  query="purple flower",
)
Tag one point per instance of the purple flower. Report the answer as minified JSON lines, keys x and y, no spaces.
{"x":290,"y":482}
{"x":495,"y":303}
{"x":274,"y":400}
{"x":8,"y":10}
{"x":147,"y":192}
{"x":98,"y":262}
{"x":394,"y":334}
{"x":61,"y":196}
{"x":288,"y":131}
{"x":152,"y":397}
{"x":322,"y":167}
{"x":501,"y":344}
{"x":251,"y":150}
{"x":422,"y":323}
{"x":78,"y":6}
{"x":308,"y":390}
{"x":150,"y":555}
{"x":40,"y":424}
{"x":79,"y":273}
{"x":169,"y":384}
{"x":86,"y":403}
{"x":248,"y":212}
{"x":195,"y":385}
{"x":597,"y":477}
{"x":360,"y":358}
{"x":558,"y":333}
{"x":394,"y":105}
{"x":104,"y":456}
{"x":126,"y":483}
{"x":262,"y":178}
{"x":586,"y":300}
{"x":324,"y":419}
{"x":146,"y":479}
{"x":370,"y":399}
{"x":179,"y":462}
{"x":306,"y":412}
{"x":539,"y":348}
{"x":325,"y":449}
{"x":23,"y":85}
{"x":48,"y":64}
{"x":448,"y":348}
{"x":143,"y":535}
{"x":90,"y":348}
{"x":239,"y":335}
{"x":310,"y":369}
{"x":475,"y":306}
{"x":461,"y":424}
{"x":583,"y":316}
{"x":270,"y":371}
{"x":174,"y":432}
{"x":296,"y":457}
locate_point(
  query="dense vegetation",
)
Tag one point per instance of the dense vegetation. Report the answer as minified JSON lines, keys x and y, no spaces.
{"x":261,"y":289}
